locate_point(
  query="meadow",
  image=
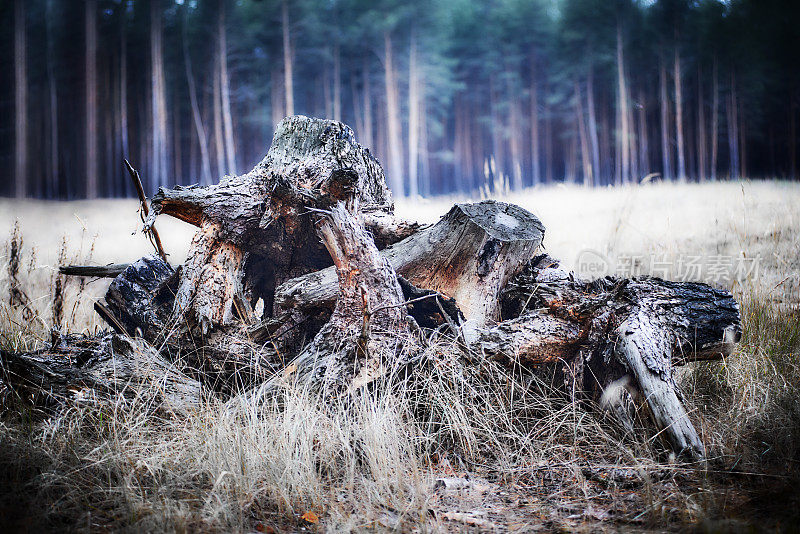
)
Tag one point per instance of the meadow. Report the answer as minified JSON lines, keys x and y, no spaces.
{"x":529,"y":458}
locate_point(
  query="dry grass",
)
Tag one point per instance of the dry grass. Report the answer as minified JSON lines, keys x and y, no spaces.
{"x":368,"y":462}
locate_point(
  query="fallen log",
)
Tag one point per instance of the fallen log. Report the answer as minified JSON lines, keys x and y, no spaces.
{"x":85,"y":369}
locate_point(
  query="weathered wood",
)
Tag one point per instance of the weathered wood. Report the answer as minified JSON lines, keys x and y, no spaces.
{"x":369,"y":333}
{"x":643,"y":342}
{"x":153,"y":233}
{"x":94,"y":271}
{"x":257,"y":229}
{"x":468,"y":256}
{"x":642,"y":327}
{"x":91,"y":369}
{"x":141,"y":297}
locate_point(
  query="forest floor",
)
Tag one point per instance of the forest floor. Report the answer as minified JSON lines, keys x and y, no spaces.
{"x":527,"y":461}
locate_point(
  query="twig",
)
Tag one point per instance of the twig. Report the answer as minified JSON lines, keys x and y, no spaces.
{"x":137,"y":182}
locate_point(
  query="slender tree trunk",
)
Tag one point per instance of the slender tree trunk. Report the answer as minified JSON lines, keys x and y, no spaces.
{"x":623,"y":144}
{"x":199,"y":128}
{"x":425,"y":170}
{"x":679,"y":116}
{"x":733,"y":129}
{"x":742,"y":136}
{"x":701,"y":129}
{"x":277,"y":100}
{"x":367,"y":139}
{"x":287,"y":60}
{"x":337,"y":84}
{"x":515,"y":135}
{"x":52,"y":89}
{"x":548,"y":144}
{"x":413,"y":118}
{"x":592,"y":126}
{"x":666,"y":153}
{"x":633,"y":156}
{"x":714,"y":120}
{"x":357,"y":115}
{"x":588,"y":178}
{"x":90,"y":25}
{"x":123,"y":94}
{"x":792,"y":137}
{"x":498,"y":170}
{"x":644,"y":145}
{"x":227,"y":120}
{"x":20,"y":100}
{"x":159,"y":106}
{"x":534,"y":117}
{"x":219,"y":140}
{"x":393,"y":119}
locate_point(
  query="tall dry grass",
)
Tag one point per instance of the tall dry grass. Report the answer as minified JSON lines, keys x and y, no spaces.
{"x":368,"y":461}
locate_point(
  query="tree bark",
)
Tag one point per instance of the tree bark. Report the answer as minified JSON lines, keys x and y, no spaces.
{"x":483,"y":245}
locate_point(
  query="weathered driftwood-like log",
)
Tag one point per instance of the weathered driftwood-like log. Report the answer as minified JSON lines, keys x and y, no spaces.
{"x":88,"y":369}
{"x":641,"y":327}
{"x":94,"y":271}
{"x":468,"y":255}
{"x":369,"y":333}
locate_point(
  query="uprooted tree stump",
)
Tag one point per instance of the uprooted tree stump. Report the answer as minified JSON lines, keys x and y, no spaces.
{"x":347,"y":290}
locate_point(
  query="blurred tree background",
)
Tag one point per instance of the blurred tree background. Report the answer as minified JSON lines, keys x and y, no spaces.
{"x":451,"y":95}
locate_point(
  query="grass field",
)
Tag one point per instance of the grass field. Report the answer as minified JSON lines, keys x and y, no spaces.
{"x":532,"y":456}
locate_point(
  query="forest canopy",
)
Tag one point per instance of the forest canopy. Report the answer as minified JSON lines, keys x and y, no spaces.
{"x":450,"y":95}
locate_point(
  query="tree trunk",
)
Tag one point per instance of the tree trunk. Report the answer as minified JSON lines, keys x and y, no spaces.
{"x":714,"y":121}
{"x":534,"y":117}
{"x":622,"y":113}
{"x":205,"y":162}
{"x":51,"y":190}
{"x":337,"y":84}
{"x":733,"y":130}
{"x":701,"y":129}
{"x":666,"y":152}
{"x":367,"y":134}
{"x":216,"y":95}
{"x":679,"y":116}
{"x":159,"y":98}
{"x":287,"y":61}
{"x":593,"y":127}
{"x":225,"y":92}
{"x":414,"y":97}
{"x":392,"y":119}
{"x":92,"y":186}
{"x":588,"y":178}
